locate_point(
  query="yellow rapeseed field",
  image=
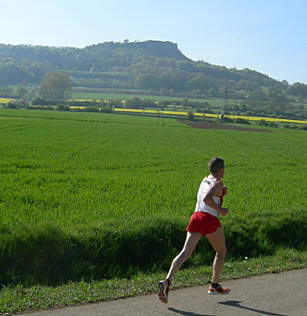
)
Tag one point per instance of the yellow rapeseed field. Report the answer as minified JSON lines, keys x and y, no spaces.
{"x":77,"y":107}
{"x":249,"y":118}
{"x":5,"y":100}
{"x":181,"y":113}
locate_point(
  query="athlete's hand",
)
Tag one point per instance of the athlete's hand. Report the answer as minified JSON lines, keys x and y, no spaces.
{"x":223,"y":211}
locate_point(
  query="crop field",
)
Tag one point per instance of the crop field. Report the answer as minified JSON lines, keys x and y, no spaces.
{"x":181,"y":113}
{"x":5,"y":100}
{"x":75,"y":176}
{"x":216,"y":102}
{"x":78,"y":167}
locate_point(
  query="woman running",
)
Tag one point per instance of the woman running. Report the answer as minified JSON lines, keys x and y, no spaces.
{"x":204,"y":222}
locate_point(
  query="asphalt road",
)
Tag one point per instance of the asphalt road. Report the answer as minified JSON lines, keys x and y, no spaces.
{"x":270,"y":294}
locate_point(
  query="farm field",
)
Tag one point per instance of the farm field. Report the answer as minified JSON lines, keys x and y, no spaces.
{"x":5,"y":100}
{"x":216,"y":102}
{"x":84,"y":167}
{"x":208,"y":115}
{"x":99,"y":178}
{"x":180,"y":114}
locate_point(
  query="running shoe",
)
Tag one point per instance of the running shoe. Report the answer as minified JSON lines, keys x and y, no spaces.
{"x":163,"y":291}
{"x":217,"y":290}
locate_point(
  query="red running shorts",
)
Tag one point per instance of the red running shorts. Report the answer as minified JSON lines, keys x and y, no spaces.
{"x":204,"y":223}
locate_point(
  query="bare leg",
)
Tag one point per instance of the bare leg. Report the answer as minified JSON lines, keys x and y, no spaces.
{"x":189,"y":245}
{"x":217,"y":240}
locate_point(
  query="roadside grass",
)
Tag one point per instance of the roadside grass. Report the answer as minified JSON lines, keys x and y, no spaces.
{"x":38,"y":297}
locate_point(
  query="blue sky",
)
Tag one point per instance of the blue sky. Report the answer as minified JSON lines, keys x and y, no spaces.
{"x":268,"y":36}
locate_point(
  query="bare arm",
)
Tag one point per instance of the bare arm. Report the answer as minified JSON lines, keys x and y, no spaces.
{"x":215,"y":190}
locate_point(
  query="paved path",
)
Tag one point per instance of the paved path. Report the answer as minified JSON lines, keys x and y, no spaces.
{"x":271,"y":294}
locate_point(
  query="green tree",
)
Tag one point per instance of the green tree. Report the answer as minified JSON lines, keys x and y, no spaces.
{"x":21,"y":91}
{"x":54,"y":85}
{"x":278,"y":104}
{"x":299,"y":89}
{"x":191,"y":116}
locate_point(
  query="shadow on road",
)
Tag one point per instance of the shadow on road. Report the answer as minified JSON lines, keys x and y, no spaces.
{"x":237,"y":304}
{"x":186,"y":313}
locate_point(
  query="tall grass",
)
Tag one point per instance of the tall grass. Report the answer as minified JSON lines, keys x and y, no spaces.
{"x":50,"y":254}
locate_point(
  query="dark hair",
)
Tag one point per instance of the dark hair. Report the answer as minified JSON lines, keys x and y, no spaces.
{"x":215,"y":164}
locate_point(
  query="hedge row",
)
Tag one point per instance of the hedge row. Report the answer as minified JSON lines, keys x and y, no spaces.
{"x":48,"y":254}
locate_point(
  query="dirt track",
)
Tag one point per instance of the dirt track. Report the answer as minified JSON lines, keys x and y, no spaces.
{"x":209,"y":125}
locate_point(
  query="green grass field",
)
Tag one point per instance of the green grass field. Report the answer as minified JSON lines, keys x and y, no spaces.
{"x":216,"y":102}
{"x":77,"y":168}
{"x":91,"y":186}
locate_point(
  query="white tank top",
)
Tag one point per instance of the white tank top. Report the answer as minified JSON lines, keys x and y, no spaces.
{"x":201,"y":206}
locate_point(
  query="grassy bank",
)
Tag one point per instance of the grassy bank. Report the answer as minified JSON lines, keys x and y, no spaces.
{"x":20,"y":298}
{"x":49,"y":254}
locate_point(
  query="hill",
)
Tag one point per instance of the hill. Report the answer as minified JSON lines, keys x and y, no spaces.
{"x":150,"y":65}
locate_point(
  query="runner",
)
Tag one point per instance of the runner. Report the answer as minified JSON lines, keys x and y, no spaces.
{"x":204,"y":222}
